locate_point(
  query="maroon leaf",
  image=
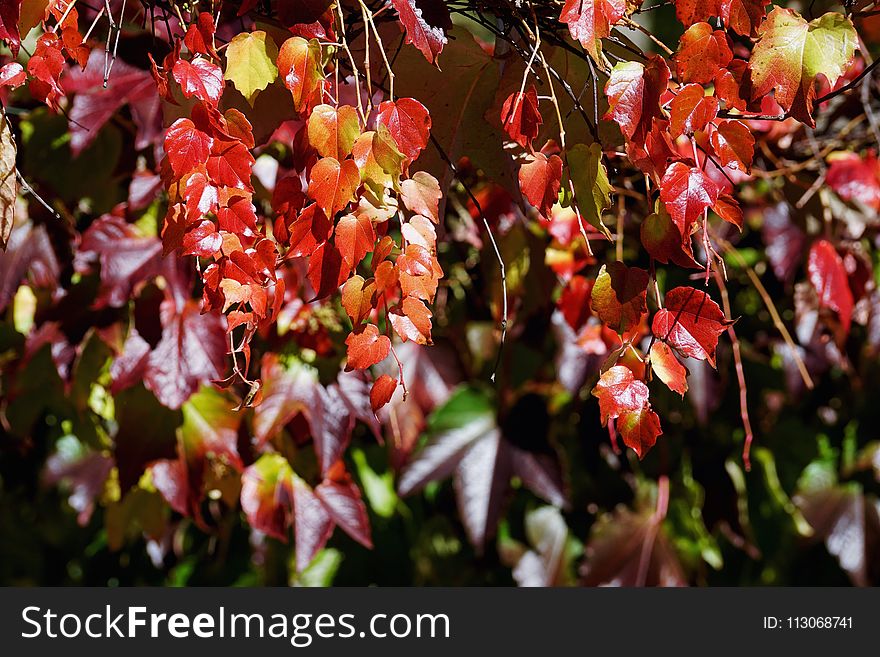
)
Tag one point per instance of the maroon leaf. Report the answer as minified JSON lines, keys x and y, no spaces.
{"x":426,"y":22}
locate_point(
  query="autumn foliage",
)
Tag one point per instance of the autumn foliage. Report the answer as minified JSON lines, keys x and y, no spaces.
{"x":274,"y":269}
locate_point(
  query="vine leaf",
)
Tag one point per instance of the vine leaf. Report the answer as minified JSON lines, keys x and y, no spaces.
{"x":425,"y":22}
{"x":366,"y":347}
{"x":686,"y":192}
{"x":634,"y":91}
{"x":299,"y":65}
{"x":10,"y":13}
{"x":8,"y":183}
{"x":590,"y":21}
{"x":639,"y":429}
{"x":691,"y":110}
{"x":619,"y":296}
{"x":701,"y":53}
{"x":332,"y":184}
{"x":828,"y":275}
{"x":791,"y":52}
{"x":421,"y":194}
{"x":521,"y":117}
{"x":691,"y":323}
{"x":734,"y":144}
{"x":333,"y":131}
{"x":250,"y":63}
{"x":619,"y":392}
{"x":199,"y":79}
{"x":408,"y":122}
{"x":382,"y":391}
{"x":540,"y":179}
{"x":592,"y":188}
{"x":668,"y":369}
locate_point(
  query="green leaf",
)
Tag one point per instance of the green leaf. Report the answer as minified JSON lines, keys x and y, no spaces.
{"x":591,"y":187}
{"x":250,"y":63}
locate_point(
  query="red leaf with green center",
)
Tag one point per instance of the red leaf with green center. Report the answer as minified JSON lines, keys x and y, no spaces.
{"x":382,"y":391}
{"x":619,"y":391}
{"x":828,"y":275}
{"x":199,"y":79}
{"x":686,"y":192}
{"x":267,"y":495}
{"x":366,"y":347}
{"x":691,"y":323}
{"x":619,"y":296}
{"x":734,"y":144}
{"x":332,"y":131}
{"x":667,"y":368}
{"x":187,"y":147}
{"x":332,"y":184}
{"x":426,"y":22}
{"x":590,"y":21}
{"x":701,"y":52}
{"x":354,"y":237}
{"x":691,"y":110}
{"x":634,"y":92}
{"x":540,"y":178}
{"x":408,"y":122}
{"x":521,"y":117}
{"x":639,"y":429}
{"x":790,"y":53}
{"x":299,"y":65}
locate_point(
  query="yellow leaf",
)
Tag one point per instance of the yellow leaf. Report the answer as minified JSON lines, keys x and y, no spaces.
{"x":250,"y":63}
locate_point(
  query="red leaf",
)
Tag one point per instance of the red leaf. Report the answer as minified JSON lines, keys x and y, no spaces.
{"x":344,"y":504}
{"x":419,"y":272}
{"x":618,"y":392}
{"x":411,"y":320}
{"x":199,"y":37}
{"x":267,"y":495}
{"x":691,"y":323}
{"x":309,"y":231}
{"x":663,"y":240}
{"x":382,"y":391}
{"x":666,"y":366}
{"x":187,"y":147}
{"x":425,"y":22}
{"x":332,"y":184}
{"x":540,"y":178}
{"x":10,"y":13}
{"x":192,"y":351}
{"x":408,"y":122}
{"x":701,"y":52}
{"x":828,"y":275}
{"x":366,"y":347}
{"x":299,"y":65}
{"x":744,"y":16}
{"x":421,"y":194}
{"x":694,"y":11}
{"x":326,"y":273}
{"x":634,"y":92}
{"x":619,"y":296}
{"x":691,"y":110}
{"x":639,"y":429}
{"x":202,"y":240}
{"x":686,"y":192}
{"x":359,"y":297}
{"x":575,"y":302}
{"x":590,"y":21}
{"x":521,"y":117}
{"x":200,"y":79}
{"x":12,"y":75}
{"x":856,"y":179}
{"x":734,"y":144}
{"x":728,"y":209}
{"x":354,"y":237}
